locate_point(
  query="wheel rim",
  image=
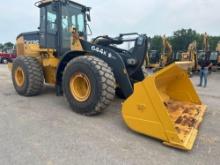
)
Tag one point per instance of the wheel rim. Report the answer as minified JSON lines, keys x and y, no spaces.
{"x":80,"y":87}
{"x":19,"y":76}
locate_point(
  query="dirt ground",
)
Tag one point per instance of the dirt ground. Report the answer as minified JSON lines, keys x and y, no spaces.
{"x":43,"y":130}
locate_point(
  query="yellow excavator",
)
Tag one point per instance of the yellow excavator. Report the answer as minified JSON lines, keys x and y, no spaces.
{"x":153,"y":59}
{"x":206,"y":42}
{"x":205,"y":46}
{"x":164,"y":105}
{"x":190,"y":56}
{"x":167,"y":52}
{"x":156,"y":60}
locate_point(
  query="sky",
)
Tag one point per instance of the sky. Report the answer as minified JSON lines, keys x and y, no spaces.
{"x":111,"y":17}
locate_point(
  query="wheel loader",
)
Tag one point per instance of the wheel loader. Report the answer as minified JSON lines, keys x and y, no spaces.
{"x":164,"y":105}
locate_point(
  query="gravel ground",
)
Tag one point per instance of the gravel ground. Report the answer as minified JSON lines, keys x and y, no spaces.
{"x":43,"y":130}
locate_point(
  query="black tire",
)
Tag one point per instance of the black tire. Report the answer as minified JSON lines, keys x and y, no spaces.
{"x":33,"y":76}
{"x":102,"y":84}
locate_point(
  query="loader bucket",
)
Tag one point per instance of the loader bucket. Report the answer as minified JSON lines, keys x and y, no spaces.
{"x":165,"y":106}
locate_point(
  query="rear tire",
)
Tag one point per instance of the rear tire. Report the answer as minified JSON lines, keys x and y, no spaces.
{"x":100,"y":85}
{"x":27,"y":76}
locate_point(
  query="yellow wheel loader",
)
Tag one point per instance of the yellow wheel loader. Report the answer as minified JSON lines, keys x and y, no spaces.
{"x":164,"y":105}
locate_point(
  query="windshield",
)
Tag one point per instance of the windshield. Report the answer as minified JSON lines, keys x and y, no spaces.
{"x":72,"y":16}
{"x":154,"y":57}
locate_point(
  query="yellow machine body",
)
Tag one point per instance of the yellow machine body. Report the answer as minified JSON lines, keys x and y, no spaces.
{"x":165,"y":106}
{"x":45,"y":56}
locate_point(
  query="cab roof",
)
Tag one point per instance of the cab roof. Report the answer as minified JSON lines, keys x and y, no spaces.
{"x":42,"y":3}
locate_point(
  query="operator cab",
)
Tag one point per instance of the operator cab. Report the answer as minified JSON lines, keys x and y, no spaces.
{"x":57,"y":19}
{"x":154,"y":57}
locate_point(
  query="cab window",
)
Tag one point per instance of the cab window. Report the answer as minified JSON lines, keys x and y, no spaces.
{"x":65,"y":23}
{"x":51,"y":21}
{"x":80,"y":20}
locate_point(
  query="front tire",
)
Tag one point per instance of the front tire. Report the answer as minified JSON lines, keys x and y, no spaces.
{"x":88,"y":85}
{"x":27,"y":76}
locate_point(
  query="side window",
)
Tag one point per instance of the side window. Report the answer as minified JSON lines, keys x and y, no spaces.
{"x":51,"y":22}
{"x":74,"y":21}
{"x":65,"y":23}
{"x":80,"y":20}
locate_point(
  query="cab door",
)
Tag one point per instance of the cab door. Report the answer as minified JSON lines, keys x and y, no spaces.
{"x":48,"y":27}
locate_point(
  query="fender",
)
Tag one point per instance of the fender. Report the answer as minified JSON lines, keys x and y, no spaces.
{"x":116,"y":63}
{"x":68,"y":56}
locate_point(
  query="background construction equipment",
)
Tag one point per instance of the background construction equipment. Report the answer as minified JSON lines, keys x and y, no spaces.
{"x":157,"y":60}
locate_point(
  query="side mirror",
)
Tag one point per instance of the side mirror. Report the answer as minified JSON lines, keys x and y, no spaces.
{"x":89,"y":30}
{"x":88,"y":17}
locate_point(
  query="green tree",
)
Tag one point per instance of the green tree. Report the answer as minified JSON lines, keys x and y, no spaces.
{"x":213,"y":41}
{"x":182,"y":38}
{"x":1,"y":47}
{"x":8,"y":46}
